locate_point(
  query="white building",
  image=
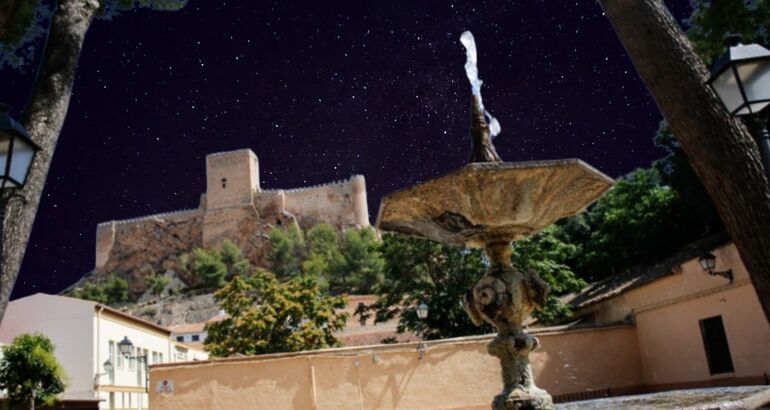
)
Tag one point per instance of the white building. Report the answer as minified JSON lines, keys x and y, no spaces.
{"x":194,"y":334}
{"x":86,"y":335}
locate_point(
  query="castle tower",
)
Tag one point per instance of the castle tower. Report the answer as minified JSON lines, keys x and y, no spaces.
{"x":231,"y":178}
{"x":360,"y":206}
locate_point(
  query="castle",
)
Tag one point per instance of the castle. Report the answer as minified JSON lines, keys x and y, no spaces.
{"x":235,"y":208}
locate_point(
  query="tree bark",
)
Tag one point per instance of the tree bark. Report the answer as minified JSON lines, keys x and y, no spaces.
{"x":720,"y":148}
{"x":43,"y":120}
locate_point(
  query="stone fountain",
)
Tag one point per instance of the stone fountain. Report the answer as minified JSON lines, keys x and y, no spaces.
{"x":489,"y":204}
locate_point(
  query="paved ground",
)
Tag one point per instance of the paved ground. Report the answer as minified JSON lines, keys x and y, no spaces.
{"x":722,"y":398}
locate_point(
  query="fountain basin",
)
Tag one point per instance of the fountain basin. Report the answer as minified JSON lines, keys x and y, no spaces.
{"x":488,"y":202}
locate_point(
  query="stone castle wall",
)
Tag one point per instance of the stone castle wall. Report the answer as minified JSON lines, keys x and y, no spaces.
{"x":234,"y":208}
{"x":341,"y":203}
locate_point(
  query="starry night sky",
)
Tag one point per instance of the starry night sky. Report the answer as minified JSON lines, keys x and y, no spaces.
{"x":322,"y":90}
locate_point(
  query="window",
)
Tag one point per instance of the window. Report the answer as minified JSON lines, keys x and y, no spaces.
{"x":131,"y":362}
{"x":141,"y":368}
{"x":224,"y":182}
{"x":154,"y":357}
{"x":196,"y":338}
{"x":120,"y":360}
{"x":180,"y":338}
{"x":112,"y":360}
{"x":160,"y":357}
{"x":181,"y":354}
{"x":715,"y":342}
{"x":112,"y":400}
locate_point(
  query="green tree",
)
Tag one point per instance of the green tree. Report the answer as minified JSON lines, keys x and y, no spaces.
{"x":157,"y":282}
{"x":362,"y":266}
{"x":420,"y":271}
{"x":236,"y":263}
{"x":696,"y":212}
{"x":206,"y":266}
{"x":113,"y":292}
{"x":324,"y":254}
{"x":287,"y":251}
{"x":30,"y":373}
{"x":116,"y":290}
{"x":548,"y":254}
{"x":91,"y":291}
{"x":636,"y":222}
{"x":266,"y":316}
{"x":711,"y":20}
{"x":211,"y":268}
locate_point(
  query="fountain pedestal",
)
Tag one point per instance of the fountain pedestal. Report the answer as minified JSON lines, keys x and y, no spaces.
{"x":504,"y":298}
{"x":489,"y":205}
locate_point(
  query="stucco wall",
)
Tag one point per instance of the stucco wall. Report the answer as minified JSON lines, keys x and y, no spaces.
{"x":667,"y":314}
{"x":453,"y":374}
{"x":69,"y":324}
{"x":672,"y":347}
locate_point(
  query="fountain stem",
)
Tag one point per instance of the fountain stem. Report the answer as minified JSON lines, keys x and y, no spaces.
{"x":504,"y":298}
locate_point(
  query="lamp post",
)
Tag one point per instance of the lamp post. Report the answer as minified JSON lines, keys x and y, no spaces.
{"x":422,"y":314}
{"x":708,"y":262}
{"x":107,"y":370}
{"x":126,"y":348}
{"x":741,"y":79}
{"x":17,"y":150}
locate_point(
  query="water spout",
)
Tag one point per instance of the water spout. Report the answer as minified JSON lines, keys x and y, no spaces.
{"x":472,"y":72}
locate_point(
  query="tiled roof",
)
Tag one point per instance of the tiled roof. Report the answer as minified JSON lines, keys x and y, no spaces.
{"x":188,"y":328}
{"x":643,"y":274}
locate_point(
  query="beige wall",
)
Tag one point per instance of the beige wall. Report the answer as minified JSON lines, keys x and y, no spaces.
{"x":672,"y":348}
{"x":667,"y":314}
{"x":453,"y":374}
{"x":69,"y":324}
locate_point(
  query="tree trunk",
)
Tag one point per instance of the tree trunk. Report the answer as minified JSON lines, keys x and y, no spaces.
{"x":722,"y":152}
{"x":43,"y":120}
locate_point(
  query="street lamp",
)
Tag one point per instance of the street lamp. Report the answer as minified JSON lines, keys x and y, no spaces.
{"x":16,"y":151}
{"x":108,"y":366}
{"x":422,"y":311}
{"x":741,"y":79}
{"x":422,"y":314}
{"x":107,"y":370}
{"x":126,"y":348}
{"x":708,"y":262}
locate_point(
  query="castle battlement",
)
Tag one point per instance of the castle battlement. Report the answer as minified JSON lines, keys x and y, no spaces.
{"x":161,"y":215}
{"x":337,"y":183}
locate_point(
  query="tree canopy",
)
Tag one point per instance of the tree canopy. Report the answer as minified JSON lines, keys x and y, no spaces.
{"x":711,"y":20}
{"x":30,"y":373}
{"x":267,"y":316}
{"x":421,"y":271}
{"x":211,"y":268}
{"x":112,"y":292}
{"x":347,"y":262}
{"x":27,"y":23}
